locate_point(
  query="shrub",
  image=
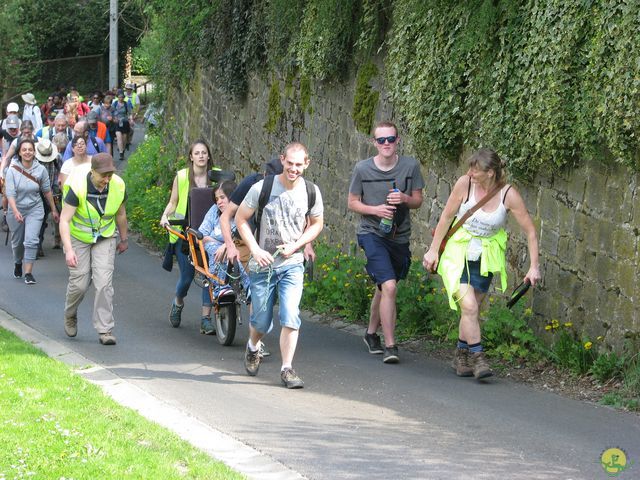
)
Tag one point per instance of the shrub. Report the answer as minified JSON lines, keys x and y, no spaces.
{"x":149,"y":177}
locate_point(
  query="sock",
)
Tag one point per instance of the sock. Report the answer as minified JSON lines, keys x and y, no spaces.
{"x":285,"y":367}
{"x":475,"y":348}
{"x":463,"y":345}
{"x":252,"y":347}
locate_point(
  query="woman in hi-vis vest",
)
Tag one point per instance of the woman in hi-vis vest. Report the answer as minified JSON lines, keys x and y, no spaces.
{"x":195,"y":175}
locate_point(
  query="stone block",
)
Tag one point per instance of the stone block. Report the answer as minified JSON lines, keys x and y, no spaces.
{"x":625,"y":243}
{"x":549,"y":242}
{"x":577,"y":183}
{"x":596,"y":195}
{"x":606,"y":268}
{"x":548,"y":209}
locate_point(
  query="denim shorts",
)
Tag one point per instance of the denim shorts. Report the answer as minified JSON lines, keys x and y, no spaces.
{"x":386,"y":260}
{"x":287,"y":282}
{"x":474,"y":278}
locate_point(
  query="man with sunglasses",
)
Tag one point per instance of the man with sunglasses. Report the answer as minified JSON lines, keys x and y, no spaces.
{"x":385,"y":186}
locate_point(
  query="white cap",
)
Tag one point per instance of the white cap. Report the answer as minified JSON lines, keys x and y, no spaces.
{"x":13,"y":107}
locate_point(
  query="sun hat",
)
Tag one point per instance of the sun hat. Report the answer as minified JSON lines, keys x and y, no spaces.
{"x":13,"y":108}
{"x":12,"y":121}
{"x":46,"y":151}
{"x":102,"y":163}
{"x":29,"y":98}
{"x":128,"y":85}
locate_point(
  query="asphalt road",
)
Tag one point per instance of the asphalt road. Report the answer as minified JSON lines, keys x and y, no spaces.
{"x":356,"y":418}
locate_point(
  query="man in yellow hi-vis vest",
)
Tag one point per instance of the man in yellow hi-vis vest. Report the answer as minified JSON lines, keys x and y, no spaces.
{"x":93,"y":207}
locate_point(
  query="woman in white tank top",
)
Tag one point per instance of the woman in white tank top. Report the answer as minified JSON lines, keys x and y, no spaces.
{"x":476,"y":251}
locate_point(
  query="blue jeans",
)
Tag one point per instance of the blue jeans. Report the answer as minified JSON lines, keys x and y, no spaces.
{"x":186,"y":275}
{"x":287,"y":281}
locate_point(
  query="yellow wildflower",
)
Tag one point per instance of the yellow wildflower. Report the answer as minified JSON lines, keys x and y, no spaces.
{"x":600,"y":338}
{"x":547,"y":327}
{"x":347,"y":284}
{"x":528,"y":311}
{"x":568,"y":324}
{"x":588,"y":345}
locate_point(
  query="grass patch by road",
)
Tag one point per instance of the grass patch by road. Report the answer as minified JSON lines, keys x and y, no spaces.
{"x":56,"y":425}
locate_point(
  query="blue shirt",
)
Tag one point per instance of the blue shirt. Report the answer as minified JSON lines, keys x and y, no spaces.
{"x":91,"y":150}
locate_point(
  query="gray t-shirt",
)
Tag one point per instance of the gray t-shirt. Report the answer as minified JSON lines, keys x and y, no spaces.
{"x":372,"y":186}
{"x":283,"y":218}
{"x":23,"y":189}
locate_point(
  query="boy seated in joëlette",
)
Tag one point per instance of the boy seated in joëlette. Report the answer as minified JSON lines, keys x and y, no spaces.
{"x":213,"y":239}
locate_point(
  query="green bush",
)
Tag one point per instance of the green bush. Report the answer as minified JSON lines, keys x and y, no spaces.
{"x":507,"y":335}
{"x":572,"y":353}
{"x":149,"y":177}
{"x":607,"y":366}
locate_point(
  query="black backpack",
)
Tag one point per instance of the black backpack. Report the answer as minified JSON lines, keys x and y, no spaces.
{"x":265,"y":193}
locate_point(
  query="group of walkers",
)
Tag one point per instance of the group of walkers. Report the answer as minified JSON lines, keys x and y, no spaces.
{"x":267,"y":223}
{"x":271,"y":241}
{"x":65,"y":168}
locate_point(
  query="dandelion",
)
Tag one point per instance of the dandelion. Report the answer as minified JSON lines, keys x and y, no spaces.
{"x":547,"y":327}
{"x":588,"y":345}
{"x":568,"y":324}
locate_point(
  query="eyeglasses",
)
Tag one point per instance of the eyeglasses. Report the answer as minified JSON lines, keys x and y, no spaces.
{"x":390,"y":139}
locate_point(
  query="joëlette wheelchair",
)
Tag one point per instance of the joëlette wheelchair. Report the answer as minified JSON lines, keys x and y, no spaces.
{"x":232,"y":307}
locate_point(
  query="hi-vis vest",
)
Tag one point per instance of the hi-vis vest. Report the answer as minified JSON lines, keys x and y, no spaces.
{"x":86,"y":224}
{"x":183,"y":195}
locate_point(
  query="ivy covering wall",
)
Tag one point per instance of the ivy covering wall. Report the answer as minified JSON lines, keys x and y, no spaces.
{"x":546,"y":83}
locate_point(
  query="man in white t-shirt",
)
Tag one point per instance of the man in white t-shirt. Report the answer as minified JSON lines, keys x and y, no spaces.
{"x":288,"y":221}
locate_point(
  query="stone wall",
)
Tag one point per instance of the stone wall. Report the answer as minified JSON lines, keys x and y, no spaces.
{"x":588,"y":220}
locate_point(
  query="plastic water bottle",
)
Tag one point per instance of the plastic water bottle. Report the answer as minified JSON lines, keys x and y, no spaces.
{"x":386,"y":224}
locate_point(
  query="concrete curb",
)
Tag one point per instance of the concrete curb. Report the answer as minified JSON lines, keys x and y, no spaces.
{"x":218,"y":445}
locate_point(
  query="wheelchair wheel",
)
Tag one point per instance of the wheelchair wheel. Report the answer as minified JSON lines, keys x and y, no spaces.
{"x":226,"y":320}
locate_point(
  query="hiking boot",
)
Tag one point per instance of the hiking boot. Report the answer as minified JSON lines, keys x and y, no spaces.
{"x":262,"y":351}
{"x":17,"y":270}
{"x":175,"y":316}
{"x":29,"y":279}
{"x":122,"y":156}
{"x":391,"y":355}
{"x":107,"y":339}
{"x":206,"y":327}
{"x":71,"y":326}
{"x":461,"y":363}
{"x":372,"y":340}
{"x":290,"y":379}
{"x":480,"y":365}
{"x":251,"y":361}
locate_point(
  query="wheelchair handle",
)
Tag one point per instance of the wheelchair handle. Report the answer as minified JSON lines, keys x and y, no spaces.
{"x":196,"y":233}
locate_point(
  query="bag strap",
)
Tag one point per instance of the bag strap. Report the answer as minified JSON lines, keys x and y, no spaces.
{"x":454,"y":228}
{"x":265,"y":193}
{"x":26,"y":174}
{"x":311,"y":196}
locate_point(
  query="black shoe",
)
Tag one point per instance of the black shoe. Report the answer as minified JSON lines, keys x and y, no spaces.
{"x":391,"y":355}
{"x":290,"y":379}
{"x":28,"y":279}
{"x":122,"y":157}
{"x":372,"y":340}
{"x":251,"y":361}
{"x":17,"y":270}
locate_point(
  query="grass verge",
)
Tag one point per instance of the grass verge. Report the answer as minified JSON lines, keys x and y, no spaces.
{"x":56,"y":425}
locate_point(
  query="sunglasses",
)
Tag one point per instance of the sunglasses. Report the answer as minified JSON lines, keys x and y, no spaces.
{"x":390,"y":139}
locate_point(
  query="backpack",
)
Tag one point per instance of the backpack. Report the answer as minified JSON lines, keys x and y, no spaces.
{"x":265,"y":193}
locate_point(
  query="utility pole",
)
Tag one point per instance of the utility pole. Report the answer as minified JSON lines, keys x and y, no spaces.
{"x":113,"y":44}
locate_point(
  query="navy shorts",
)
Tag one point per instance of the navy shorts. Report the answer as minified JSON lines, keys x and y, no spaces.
{"x":473,"y":277}
{"x":386,"y":260}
